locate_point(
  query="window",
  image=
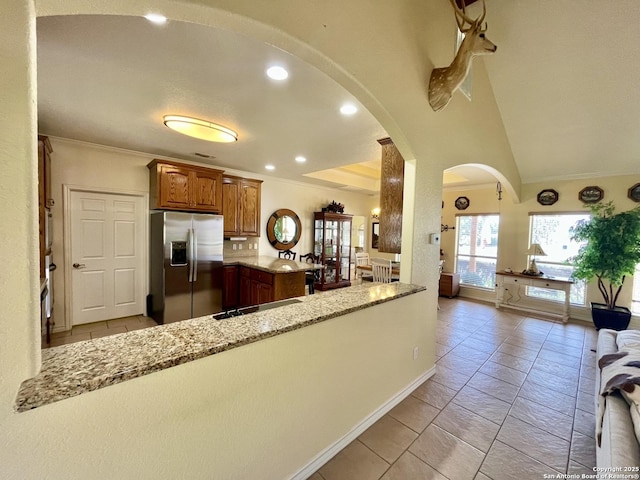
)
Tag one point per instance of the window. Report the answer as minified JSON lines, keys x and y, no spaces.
{"x":552,"y":233}
{"x":477,"y":249}
{"x":635,"y":296}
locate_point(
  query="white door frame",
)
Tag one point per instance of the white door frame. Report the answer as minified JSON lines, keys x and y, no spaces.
{"x":66,"y":204}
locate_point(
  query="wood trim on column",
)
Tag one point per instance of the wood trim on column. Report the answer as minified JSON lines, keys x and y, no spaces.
{"x":391,"y":190}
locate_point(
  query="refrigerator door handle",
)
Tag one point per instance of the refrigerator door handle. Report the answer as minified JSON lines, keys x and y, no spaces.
{"x":195,"y":255}
{"x":190,"y":254}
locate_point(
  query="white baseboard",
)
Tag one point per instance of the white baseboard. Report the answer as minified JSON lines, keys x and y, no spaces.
{"x":333,"y":449}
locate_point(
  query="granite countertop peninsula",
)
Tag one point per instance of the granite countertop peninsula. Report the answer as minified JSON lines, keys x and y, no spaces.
{"x":272,"y":264}
{"x":77,"y":368}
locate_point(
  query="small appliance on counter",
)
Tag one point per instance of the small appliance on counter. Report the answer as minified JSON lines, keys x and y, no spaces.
{"x":186,"y":254}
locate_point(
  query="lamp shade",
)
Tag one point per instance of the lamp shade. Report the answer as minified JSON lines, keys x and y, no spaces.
{"x":202,"y":129}
{"x":535,"y":249}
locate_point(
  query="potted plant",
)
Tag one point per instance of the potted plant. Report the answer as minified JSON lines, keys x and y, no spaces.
{"x":611,"y":252}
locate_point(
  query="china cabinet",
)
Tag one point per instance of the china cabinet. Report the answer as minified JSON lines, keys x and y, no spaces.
{"x":332,"y":237}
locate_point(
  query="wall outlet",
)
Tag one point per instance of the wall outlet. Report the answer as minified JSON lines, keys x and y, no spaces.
{"x":416,"y":352}
{"x":235,"y":246}
{"x":239,"y":246}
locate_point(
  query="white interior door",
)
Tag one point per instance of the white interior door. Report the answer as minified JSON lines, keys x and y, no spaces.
{"x":106,"y":260}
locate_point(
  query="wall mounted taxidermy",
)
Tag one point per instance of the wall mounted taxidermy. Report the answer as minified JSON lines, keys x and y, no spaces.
{"x":445,"y":81}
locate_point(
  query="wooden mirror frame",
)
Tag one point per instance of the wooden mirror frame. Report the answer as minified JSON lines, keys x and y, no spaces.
{"x":271,"y":232}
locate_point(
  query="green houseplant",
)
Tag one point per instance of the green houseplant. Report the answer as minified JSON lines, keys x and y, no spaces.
{"x":611,"y":252}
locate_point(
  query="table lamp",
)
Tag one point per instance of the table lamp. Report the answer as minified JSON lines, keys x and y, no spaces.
{"x":534,"y":249}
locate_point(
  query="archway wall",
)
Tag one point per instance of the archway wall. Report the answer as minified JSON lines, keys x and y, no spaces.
{"x":383,"y":55}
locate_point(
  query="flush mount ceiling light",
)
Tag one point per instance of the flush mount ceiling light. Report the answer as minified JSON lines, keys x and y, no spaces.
{"x":156,"y":18}
{"x":277,"y":72}
{"x":348,"y":109}
{"x":269,"y":167}
{"x":300,"y":159}
{"x":201,"y":129}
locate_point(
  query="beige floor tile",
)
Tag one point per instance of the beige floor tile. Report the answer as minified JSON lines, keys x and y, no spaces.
{"x":414,"y":413}
{"x":477,"y":431}
{"x":583,"y":450}
{"x":434,"y":394}
{"x":504,"y":373}
{"x":585,"y":423}
{"x":548,"y":380}
{"x":478,"y":345}
{"x":561,"y":341}
{"x":510,"y":361}
{"x":543,"y":417}
{"x":315,"y":476}
{"x":587,"y":385}
{"x":409,"y":467}
{"x":450,"y":378}
{"x":483,"y":404}
{"x":69,"y":339}
{"x":442,"y":350}
{"x":355,"y":461}
{"x":66,"y":333}
{"x":548,"y":397}
{"x":388,"y":438}
{"x":517,"y":351}
{"x":586,"y":402}
{"x":459,"y":364}
{"x":560,"y":357}
{"x":494,"y":387}
{"x":536,"y":443}
{"x":506,"y":463}
{"x":577,"y":469}
{"x":108,"y":332}
{"x":472,"y":354}
{"x":557,"y":369}
{"x":481,"y":476}
{"x":116,"y":322}
{"x":88,"y":327}
{"x":448,"y":454}
{"x":528,"y":343}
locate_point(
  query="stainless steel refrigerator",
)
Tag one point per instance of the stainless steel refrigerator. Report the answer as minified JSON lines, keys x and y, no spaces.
{"x":185,"y":266}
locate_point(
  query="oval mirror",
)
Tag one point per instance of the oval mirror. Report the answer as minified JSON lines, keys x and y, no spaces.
{"x":283,"y":229}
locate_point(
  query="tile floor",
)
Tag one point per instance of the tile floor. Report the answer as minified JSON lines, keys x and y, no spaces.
{"x":512,"y":398}
{"x":89,"y":331}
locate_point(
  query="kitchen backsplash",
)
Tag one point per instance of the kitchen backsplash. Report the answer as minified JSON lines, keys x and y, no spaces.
{"x":241,"y":248}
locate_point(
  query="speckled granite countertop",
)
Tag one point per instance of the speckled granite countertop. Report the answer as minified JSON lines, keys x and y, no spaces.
{"x":272,"y":264}
{"x":71,"y":370}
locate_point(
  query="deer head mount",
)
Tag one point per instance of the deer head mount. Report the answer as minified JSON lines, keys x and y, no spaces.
{"x":445,"y":81}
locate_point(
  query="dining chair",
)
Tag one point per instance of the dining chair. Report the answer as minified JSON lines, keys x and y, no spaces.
{"x":362,"y":258}
{"x":313,"y":276}
{"x":381,"y":270}
{"x":287,"y":254}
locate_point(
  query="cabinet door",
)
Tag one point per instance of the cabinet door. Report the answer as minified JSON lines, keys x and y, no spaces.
{"x":265,"y":293}
{"x":245,"y":291}
{"x":230,"y":287}
{"x":249,"y":208}
{"x":230,"y":206}
{"x":174,"y":191}
{"x":207,"y":190}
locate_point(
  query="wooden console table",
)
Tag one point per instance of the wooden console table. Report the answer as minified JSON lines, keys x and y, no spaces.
{"x":507,"y":280}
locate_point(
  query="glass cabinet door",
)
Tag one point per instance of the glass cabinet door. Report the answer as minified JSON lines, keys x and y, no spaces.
{"x":345,"y":246}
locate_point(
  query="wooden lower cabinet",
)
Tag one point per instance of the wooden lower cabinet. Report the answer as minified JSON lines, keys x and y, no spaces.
{"x":257,"y":286}
{"x":449,"y":285}
{"x":230,"y":287}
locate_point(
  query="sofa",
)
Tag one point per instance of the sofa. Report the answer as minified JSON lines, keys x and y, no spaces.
{"x":617,"y":399}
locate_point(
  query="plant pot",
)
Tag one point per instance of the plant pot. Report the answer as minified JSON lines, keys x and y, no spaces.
{"x":616,"y":319}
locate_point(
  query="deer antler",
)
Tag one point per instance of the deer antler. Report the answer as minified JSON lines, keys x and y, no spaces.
{"x":462,"y":17}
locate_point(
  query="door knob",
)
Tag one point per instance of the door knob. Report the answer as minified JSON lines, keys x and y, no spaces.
{"x":79,"y":265}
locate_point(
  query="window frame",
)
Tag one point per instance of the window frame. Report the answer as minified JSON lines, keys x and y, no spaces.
{"x":579,"y":287}
{"x":457,"y":253}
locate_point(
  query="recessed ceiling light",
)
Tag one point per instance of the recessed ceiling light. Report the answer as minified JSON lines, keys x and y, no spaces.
{"x":202,"y":129}
{"x":300,"y":159}
{"x":156,"y":18}
{"x":348,"y":109}
{"x":277,"y":73}
{"x":269,"y":167}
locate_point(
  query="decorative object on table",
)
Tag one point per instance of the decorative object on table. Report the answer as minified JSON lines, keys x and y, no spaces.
{"x":445,"y":81}
{"x":610,"y":252}
{"x":534,"y":249}
{"x":462,"y":203}
{"x":547,"y":197}
{"x":591,"y":194}
{"x":334,"y":207}
{"x":634,"y":193}
{"x":284,"y":229}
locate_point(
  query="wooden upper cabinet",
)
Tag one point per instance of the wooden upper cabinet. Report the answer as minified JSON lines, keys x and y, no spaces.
{"x":177,"y":186}
{"x":241,"y":200}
